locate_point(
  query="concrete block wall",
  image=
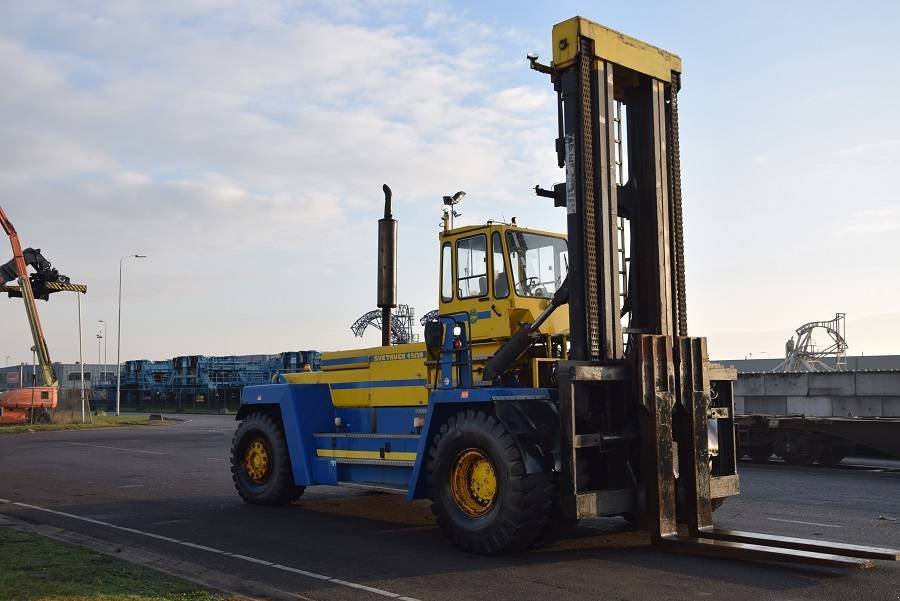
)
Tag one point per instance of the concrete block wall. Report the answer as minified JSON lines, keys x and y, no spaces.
{"x":823,"y":394}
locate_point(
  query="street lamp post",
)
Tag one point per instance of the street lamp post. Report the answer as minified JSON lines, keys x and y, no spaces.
{"x":103,"y":378}
{"x":80,"y":354}
{"x":119,"y":334}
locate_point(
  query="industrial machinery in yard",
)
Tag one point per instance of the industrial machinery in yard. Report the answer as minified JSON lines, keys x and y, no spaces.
{"x":33,"y":403}
{"x":558,"y":381}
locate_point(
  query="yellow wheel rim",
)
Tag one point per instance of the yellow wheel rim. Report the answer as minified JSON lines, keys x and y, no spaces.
{"x":473,"y":482}
{"x":256,"y":460}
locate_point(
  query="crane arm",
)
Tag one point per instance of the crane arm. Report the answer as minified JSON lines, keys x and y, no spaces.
{"x":34,"y":321}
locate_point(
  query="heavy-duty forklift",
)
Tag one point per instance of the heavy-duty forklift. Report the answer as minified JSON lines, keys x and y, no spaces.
{"x":558,"y":381}
{"x":31,"y":404}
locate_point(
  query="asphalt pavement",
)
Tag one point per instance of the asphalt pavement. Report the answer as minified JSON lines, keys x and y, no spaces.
{"x":167,"y":490}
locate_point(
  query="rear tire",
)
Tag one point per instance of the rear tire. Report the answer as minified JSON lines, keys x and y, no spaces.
{"x":798,"y":459}
{"x":833,"y":455}
{"x":260,"y":463}
{"x":761,"y":453}
{"x":41,"y":416}
{"x":506,"y":509}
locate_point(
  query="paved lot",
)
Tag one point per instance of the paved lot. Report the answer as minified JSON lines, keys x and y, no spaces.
{"x":167,"y":490}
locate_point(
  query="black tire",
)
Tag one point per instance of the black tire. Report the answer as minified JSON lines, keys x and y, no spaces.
{"x":761,"y":453}
{"x":274,"y":484}
{"x":521,"y":503}
{"x":833,"y":455}
{"x":41,"y":416}
{"x":798,"y":459}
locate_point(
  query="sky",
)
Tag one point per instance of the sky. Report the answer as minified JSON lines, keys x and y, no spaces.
{"x":242,"y":148}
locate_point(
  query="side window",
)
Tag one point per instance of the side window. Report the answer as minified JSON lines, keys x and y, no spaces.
{"x":471,"y":266}
{"x":501,"y":282}
{"x":446,"y":274}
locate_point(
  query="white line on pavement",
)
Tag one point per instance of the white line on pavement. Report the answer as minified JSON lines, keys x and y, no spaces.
{"x":804,"y":523}
{"x":263,"y":562}
{"x":100,"y":446}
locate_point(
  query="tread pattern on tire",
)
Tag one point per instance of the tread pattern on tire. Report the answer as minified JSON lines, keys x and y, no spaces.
{"x":524,"y":508}
{"x":281,"y":490}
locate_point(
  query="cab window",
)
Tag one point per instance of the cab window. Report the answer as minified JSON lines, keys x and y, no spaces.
{"x":501,"y":281}
{"x":446,"y":274}
{"x":539,"y":264}
{"x":471,"y":266}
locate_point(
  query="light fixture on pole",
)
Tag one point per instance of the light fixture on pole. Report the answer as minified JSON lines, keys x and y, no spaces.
{"x":119,"y":333}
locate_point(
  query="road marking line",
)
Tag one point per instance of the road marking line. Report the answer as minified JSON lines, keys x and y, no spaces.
{"x":804,"y":523}
{"x":301,"y":572}
{"x":201,"y":547}
{"x":100,"y":446}
{"x":363,"y":587}
{"x":261,"y":562}
{"x":131,"y":486}
{"x":255,"y":560}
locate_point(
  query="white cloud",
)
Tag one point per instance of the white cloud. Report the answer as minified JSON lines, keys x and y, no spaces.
{"x":874,"y":221}
{"x":244,"y":151}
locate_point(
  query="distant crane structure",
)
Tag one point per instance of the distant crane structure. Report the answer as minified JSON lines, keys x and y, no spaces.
{"x":401,"y":324}
{"x":801,"y":353}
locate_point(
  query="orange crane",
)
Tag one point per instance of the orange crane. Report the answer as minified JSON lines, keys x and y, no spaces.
{"x":30,"y":404}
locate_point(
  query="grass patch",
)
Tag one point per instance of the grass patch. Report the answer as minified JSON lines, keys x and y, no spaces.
{"x":99,"y":421}
{"x":40,"y":569}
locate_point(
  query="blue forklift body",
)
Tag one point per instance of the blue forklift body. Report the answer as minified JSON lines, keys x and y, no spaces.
{"x":380,"y":447}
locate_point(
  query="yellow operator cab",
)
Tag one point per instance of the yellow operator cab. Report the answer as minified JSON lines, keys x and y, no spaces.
{"x":500,"y":275}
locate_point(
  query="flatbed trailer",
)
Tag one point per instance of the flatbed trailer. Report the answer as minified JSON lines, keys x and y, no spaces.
{"x":803,"y":440}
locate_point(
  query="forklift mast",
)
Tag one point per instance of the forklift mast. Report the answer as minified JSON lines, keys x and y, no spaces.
{"x":618,"y":142}
{"x":641,"y":406}
{"x":645,"y":380}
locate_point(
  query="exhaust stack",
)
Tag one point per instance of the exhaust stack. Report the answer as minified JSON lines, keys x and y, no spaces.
{"x":387,"y":267}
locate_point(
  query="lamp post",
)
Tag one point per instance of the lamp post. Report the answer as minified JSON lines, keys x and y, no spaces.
{"x":99,"y":356}
{"x":103,"y":378}
{"x":119,"y":333}
{"x":80,"y":353}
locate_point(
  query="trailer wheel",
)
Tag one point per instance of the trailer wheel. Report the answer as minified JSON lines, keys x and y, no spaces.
{"x":41,"y":416}
{"x":798,"y":459}
{"x":761,"y":453}
{"x":260,"y":464}
{"x":833,"y":455}
{"x":484,"y":500}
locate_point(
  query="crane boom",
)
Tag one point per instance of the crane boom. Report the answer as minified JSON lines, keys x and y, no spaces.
{"x":34,"y":320}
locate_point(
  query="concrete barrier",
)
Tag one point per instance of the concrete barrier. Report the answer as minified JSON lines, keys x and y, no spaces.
{"x":824,"y":394}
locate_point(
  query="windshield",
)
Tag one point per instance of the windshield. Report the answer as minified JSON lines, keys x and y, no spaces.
{"x":539,"y":264}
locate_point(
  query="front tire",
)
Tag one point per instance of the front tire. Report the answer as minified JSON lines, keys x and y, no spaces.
{"x":260,"y":464}
{"x":484,"y":500}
